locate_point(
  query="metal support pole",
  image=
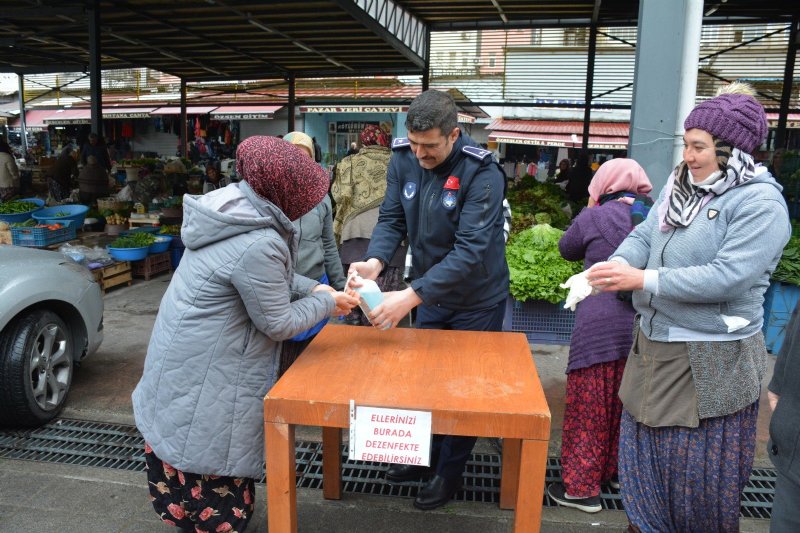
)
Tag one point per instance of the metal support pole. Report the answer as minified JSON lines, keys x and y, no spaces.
{"x":786,"y":93}
{"x":426,"y":74}
{"x":690,"y":59}
{"x":184,"y":125}
{"x":290,"y":120}
{"x":587,"y":109}
{"x":23,"y":128}
{"x":95,"y":74}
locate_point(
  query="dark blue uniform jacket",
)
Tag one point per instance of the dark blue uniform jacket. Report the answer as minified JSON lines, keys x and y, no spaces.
{"x":453,"y":216}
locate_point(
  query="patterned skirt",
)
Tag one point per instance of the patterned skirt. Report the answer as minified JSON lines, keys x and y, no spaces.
{"x":199,"y":503}
{"x":679,"y":479}
{"x":589,"y":443}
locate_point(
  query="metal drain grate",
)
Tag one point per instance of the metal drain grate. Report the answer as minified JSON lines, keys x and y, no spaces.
{"x":122,"y":447}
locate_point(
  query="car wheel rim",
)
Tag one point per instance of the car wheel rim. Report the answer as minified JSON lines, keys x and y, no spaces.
{"x":51,"y":367}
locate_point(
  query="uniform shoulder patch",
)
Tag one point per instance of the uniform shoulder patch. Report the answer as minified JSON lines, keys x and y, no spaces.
{"x":476,"y":152}
{"x":400,"y":142}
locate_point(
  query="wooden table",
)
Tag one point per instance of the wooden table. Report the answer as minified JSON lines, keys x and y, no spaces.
{"x":474,"y":383}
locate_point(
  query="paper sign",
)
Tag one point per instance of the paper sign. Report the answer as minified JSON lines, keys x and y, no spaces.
{"x":390,"y":435}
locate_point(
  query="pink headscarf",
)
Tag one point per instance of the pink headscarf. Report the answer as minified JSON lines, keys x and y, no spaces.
{"x":619,"y":175}
{"x":281,"y":173}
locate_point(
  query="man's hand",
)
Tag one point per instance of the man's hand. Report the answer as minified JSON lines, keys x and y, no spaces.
{"x":395,"y":307}
{"x":368,"y":269}
{"x":614,"y":276}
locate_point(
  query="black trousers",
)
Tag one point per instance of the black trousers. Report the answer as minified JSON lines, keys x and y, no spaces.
{"x":449,"y":453}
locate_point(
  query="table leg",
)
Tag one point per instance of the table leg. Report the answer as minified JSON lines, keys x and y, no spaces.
{"x":331,"y":463}
{"x":509,"y":475}
{"x":281,"y":478}
{"x":530,"y":490}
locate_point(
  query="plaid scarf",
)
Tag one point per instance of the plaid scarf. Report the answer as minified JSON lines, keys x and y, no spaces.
{"x":686,"y":199}
{"x":640,"y":204}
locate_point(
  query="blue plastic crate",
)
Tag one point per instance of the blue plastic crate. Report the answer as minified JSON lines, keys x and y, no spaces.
{"x":41,"y":237}
{"x":542,"y":322}
{"x":779,"y":302}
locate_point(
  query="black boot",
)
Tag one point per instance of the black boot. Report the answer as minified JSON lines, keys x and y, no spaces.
{"x":436,"y":493}
{"x":398,"y":473}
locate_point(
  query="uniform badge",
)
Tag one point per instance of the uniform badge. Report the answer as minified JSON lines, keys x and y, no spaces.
{"x":712,"y":214}
{"x":449,"y":199}
{"x":452,"y":183}
{"x":410,"y":190}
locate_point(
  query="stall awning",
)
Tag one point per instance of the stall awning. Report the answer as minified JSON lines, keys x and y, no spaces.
{"x":792,"y":120}
{"x":112,"y":113}
{"x":34,"y":119}
{"x":563,"y":134}
{"x":65,"y":117}
{"x":354,"y":109}
{"x":245,"y":112}
{"x":190,"y":110}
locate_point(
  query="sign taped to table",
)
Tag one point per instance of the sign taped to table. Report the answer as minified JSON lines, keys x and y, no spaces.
{"x":386,"y":435}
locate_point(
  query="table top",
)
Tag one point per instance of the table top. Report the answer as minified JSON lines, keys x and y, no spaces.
{"x":474,"y":383}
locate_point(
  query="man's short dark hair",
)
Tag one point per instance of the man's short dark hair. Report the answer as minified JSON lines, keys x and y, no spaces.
{"x":432,"y":109}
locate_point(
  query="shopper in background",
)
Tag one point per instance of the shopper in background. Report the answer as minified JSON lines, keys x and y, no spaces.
{"x":699,"y":266}
{"x":62,"y":174}
{"x":358,"y":190}
{"x":92,"y":182}
{"x":317,"y":255}
{"x":446,"y":194}
{"x":579,"y":178}
{"x":784,"y":430}
{"x":214,"y":179}
{"x":215,"y":345}
{"x":96,"y":147}
{"x":317,"y":150}
{"x":9,"y":173}
{"x":601,"y":338}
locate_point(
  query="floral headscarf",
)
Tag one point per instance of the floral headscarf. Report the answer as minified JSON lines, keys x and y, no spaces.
{"x":281,"y":173}
{"x":372,"y":134}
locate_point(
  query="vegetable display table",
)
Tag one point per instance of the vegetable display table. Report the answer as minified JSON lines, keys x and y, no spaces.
{"x":481,"y":384}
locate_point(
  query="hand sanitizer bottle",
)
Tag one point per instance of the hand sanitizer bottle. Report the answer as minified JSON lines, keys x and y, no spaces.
{"x":371,"y":296}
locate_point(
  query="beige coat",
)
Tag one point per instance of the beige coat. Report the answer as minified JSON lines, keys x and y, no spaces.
{"x":9,"y":173}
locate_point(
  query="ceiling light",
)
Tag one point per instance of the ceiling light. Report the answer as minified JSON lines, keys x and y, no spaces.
{"x":123,"y":38}
{"x":258,"y":24}
{"x":333,"y":61}
{"x":302,"y":46}
{"x":171,"y":55}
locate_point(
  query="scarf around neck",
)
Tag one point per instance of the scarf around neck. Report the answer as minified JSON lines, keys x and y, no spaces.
{"x":684,"y":199}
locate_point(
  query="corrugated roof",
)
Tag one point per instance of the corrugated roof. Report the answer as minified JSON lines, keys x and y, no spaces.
{"x":562,"y":127}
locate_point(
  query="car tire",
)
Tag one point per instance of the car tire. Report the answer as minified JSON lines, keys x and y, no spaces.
{"x":36,"y":367}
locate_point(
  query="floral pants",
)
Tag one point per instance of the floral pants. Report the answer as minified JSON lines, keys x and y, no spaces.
{"x":198,"y":503}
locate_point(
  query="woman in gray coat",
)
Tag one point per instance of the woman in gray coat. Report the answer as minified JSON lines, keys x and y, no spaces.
{"x":215,"y":346}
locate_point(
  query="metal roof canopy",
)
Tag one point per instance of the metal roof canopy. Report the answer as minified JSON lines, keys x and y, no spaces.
{"x":241,"y":39}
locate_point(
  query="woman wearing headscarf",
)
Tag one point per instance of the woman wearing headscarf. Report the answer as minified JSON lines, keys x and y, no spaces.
{"x":601,"y":338}
{"x":64,"y":171}
{"x":317,"y":255}
{"x":358,"y":190}
{"x":699,"y":266}
{"x":213,"y":353}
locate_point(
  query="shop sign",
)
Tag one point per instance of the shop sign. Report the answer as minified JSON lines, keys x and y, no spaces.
{"x":533,"y":142}
{"x":463,"y":118}
{"x":611,"y":146}
{"x":113,"y":115}
{"x":384,"y":435}
{"x":350,"y":127}
{"x":354,"y":109}
{"x":242,"y":116}
{"x":67,"y":121}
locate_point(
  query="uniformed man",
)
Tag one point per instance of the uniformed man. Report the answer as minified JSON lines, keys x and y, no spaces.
{"x":446,"y":193}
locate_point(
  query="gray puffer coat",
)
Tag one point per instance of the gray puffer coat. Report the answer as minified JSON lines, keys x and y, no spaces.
{"x":215,"y":346}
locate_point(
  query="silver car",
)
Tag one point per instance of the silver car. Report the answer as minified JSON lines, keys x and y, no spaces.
{"x":51,"y":317}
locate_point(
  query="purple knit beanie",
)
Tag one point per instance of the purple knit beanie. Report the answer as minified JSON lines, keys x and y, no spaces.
{"x":732,"y":117}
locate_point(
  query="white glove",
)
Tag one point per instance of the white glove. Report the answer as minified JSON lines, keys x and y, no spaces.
{"x":579,"y":289}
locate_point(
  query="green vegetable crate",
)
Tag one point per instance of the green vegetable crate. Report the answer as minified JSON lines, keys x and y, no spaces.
{"x":40,"y":237}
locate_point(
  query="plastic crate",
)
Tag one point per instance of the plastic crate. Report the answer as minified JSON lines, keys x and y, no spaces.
{"x":779,"y":302}
{"x":41,"y":237}
{"x":152,"y":265}
{"x":542,"y":322}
